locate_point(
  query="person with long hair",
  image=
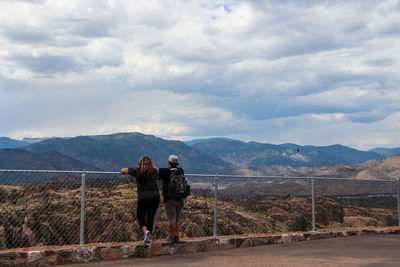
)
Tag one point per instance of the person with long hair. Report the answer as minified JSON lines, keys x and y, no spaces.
{"x":148,"y":194}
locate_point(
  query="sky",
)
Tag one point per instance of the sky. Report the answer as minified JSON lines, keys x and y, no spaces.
{"x":305,"y":72}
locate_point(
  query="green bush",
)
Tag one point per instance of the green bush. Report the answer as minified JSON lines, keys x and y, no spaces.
{"x":300,"y":224}
{"x":140,"y":251}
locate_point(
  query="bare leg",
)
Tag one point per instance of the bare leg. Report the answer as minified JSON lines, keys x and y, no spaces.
{"x":172,"y":227}
{"x":178,"y":227}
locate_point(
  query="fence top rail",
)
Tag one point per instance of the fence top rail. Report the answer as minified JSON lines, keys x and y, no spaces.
{"x":290,"y":177}
{"x":59,"y":171}
{"x":216,"y":175}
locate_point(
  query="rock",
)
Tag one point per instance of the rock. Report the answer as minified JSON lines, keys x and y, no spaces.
{"x":29,"y":235}
{"x":157,"y":250}
{"x":358,"y":221}
{"x":33,"y":256}
{"x":52,"y":260}
{"x":109,"y":254}
{"x":191,"y":229}
{"x":226,"y":243}
{"x":196,"y":204}
{"x":8,"y":255}
{"x":64,"y":253}
{"x":82,"y":254}
{"x":127,"y":251}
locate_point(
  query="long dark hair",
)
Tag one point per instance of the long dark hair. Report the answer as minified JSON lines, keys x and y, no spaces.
{"x":145,"y":170}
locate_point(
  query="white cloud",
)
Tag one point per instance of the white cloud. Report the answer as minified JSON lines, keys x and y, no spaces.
{"x":104,"y":51}
{"x":271,"y":71}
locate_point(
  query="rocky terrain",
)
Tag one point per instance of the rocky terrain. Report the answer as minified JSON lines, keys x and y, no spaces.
{"x":19,"y":159}
{"x":386,"y":168}
{"x":49,"y":214}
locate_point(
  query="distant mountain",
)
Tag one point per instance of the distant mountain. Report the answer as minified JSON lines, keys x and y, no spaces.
{"x":387,"y":152}
{"x":24,"y":160}
{"x":207,"y":156}
{"x":35,"y":140}
{"x":115,"y":151}
{"x":195,"y":141}
{"x":6,"y":142}
{"x":261,"y":157}
{"x":387,"y":168}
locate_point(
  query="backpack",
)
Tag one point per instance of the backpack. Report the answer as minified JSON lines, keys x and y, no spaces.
{"x":178,"y":187}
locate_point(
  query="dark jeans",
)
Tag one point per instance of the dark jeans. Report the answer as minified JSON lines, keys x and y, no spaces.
{"x":146,"y":210}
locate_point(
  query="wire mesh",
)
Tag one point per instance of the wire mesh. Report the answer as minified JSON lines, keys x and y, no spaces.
{"x":355,"y":203}
{"x":261,"y":205}
{"x":40,"y":208}
{"x":198,"y":213}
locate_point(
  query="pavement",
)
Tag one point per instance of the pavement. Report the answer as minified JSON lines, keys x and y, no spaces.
{"x":359,"y":250}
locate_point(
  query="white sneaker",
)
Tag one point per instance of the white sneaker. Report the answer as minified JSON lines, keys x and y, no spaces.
{"x":147,"y":243}
{"x":147,"y":240}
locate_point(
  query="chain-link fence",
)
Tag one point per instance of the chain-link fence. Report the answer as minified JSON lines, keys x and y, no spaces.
{"x":40,"y":208}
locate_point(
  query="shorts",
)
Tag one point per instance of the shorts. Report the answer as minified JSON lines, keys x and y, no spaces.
{"x":173,"y":209}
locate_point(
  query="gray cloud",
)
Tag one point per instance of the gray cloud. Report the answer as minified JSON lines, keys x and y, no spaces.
{"x":273,"y":71}
{"x":47,"y":64}
{"x":22,"y":36}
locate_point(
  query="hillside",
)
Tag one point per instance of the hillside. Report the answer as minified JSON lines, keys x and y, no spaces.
{"x":50,"y":215}
{"x":387,"y":168}
{"x":387,"y":152}
{"x":203,"y":156}
{"x":257,"y":158}
{"x":6,"y":142}
{"x":112,"y":152}
{"x":20,"y":159}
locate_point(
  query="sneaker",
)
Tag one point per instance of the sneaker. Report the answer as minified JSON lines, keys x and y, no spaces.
{"x":147,"y":243}
{"x":176,"y":239}
{"x":170,"y":239}
{"x":147,"y":240}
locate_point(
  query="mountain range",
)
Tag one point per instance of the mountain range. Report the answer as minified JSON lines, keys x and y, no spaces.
{"x":203,"y":156}
{"x":274,"y":159}
{"x":384,"y":168}
{"x":20,"y":159}
{"x":112,"y":152}
{"x":6,"y":142}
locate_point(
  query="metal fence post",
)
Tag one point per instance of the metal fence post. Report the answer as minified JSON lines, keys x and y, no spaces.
{"x":398,"y":201}
{"x":216,"y":206}
{"x":313,"y":204}
{"x":83,"y":189}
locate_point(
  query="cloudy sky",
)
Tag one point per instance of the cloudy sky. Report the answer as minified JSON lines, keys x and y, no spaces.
{"x":306,"y":72}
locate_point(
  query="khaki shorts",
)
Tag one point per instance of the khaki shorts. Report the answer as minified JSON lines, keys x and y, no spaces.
{"x":173,"y":209}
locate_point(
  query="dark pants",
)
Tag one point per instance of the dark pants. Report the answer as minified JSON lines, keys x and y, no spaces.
{"x":146,"y":210}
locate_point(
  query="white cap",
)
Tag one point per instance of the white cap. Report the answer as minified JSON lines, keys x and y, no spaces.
{"x":173,"y":159}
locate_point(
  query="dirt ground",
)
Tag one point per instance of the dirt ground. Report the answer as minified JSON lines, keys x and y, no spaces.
{"x":364,"y":250}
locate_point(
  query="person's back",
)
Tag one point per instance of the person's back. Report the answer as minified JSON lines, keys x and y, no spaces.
{"x":146,"y":175}
{"x":173,"y":207}
{"x":165,"y":175}
{"x":146,"y":185}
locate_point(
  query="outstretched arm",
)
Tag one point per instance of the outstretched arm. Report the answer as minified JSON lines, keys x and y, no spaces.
{"x":124,"y":170}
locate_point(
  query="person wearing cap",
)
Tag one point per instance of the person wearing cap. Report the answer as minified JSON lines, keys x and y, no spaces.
{"x":173,"y":207}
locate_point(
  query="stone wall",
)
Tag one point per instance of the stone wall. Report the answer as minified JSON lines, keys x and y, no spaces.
{"x":50,"y":256}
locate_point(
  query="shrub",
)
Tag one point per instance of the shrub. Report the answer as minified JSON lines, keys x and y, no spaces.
{"x":140,"y":251}
{"x":300,"y":224}
{"x":3,"y":195}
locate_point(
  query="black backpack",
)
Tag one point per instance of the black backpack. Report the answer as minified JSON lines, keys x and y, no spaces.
{"x":178,"y":187}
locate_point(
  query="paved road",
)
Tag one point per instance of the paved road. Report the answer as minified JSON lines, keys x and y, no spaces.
{"x":366,"y":250}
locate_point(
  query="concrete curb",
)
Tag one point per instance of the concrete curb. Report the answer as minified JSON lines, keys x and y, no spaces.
{"x":51,"y":256}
